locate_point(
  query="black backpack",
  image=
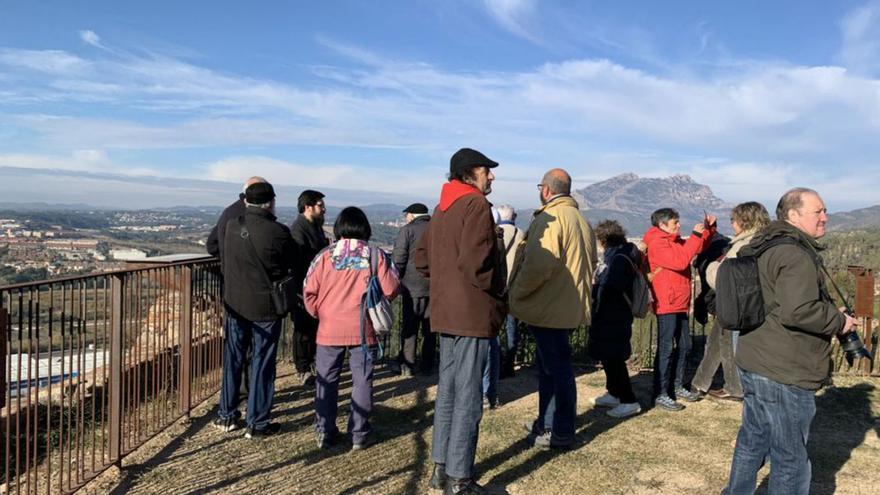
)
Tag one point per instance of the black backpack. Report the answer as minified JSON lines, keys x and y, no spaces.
{"x":739,"y":302}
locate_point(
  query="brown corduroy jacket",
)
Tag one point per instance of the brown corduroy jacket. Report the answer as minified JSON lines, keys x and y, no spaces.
{"x":458,"y":253}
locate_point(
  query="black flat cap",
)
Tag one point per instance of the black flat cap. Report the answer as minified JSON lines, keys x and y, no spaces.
{"x":416,"y":208}
{"x":259,"y":193}
{"x":466,"y":159}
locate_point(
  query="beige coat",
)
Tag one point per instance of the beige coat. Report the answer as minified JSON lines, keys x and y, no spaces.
{"x":738,"y":242}
{"x":553,"y":273}
{"x":513,"y":236}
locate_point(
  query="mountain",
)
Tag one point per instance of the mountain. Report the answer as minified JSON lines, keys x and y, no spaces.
{"x":631,"y":199}
{"x":864,"y":218}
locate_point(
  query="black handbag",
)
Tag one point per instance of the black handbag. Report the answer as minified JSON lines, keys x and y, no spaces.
{"x":284,"y":290}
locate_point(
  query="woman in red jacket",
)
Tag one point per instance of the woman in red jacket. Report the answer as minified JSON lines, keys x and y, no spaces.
{"x":669,"y":257}
{"x":334,"y":287}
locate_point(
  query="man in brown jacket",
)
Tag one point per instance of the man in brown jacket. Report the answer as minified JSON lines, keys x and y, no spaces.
{"x":459,"y":255}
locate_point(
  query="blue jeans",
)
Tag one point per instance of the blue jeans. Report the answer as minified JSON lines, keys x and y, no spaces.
{"x":262,"y":336}
{"x":492,"y":371}
{"x":458,"y":407}
{"x":512,"y":336}
{"x":557,"y":394}
{"x":776,"y":423}
{"x":671,"y":329}
{"x":328,"y":365}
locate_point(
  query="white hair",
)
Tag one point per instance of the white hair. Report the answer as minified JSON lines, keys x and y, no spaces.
{"x":253,"y":180}
{"x":265,"y":206}
{"x":506,"y":212}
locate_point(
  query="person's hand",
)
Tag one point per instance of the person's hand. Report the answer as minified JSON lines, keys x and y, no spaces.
{"x":850,"y":324}
{"x":710,"y":221}
{"x":699,"y":228}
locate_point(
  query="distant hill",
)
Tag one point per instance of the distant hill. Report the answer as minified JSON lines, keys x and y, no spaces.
{"x":631,"y":199}
{"x":864,"y":218}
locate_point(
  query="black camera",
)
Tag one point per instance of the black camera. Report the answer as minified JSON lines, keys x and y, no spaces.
{"x":852,"y":345}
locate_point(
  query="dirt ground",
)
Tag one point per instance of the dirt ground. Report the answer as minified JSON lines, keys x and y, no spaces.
{"x":654,"y":452}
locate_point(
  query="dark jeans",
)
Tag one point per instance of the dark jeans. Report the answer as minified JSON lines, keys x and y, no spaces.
{"x":776,"y":423}
{"x":305,"y":330}
{"x":671,"y":329}
{"x":415,"y":317}
{"x":492,"y":370}
{"x":617,"y":381}
{"x":512,"y":337}
{"x":557,"y":394}
{"x":719,"y":350}
{"x":458,"y":407}
{"x":262,"y":336}
{"x":328,"y":363}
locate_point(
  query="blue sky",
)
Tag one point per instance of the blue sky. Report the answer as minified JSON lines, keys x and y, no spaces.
{"x":748,"y":97}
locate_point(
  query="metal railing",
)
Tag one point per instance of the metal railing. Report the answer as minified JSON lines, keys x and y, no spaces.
{"x":94,"y":366}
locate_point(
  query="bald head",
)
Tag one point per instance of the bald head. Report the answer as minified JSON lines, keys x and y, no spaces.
{"x":253,"y":180}
{"x":557,"y":181}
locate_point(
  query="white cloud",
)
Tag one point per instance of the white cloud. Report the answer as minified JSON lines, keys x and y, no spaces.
{"x":513,"y":15}
{"x":90,"y":37}
{"x":860,"y":50}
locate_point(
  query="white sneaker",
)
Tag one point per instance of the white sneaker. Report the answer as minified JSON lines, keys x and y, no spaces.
{"x":624,"y":410}
{"x":606,"y":400}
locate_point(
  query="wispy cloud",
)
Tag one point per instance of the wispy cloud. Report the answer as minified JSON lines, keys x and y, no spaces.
{"x":860,"y":48}
{"x":90,"y":37}
{"x":514,"y":16}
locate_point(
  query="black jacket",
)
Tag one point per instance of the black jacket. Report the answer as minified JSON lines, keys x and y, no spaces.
{"x":310,"y":240}
{"x":246,"y":291}
{"x":414,"y":282}
{"x":793,"y":345}
{"x":612,"y":318}
{"x":704,"y":303}
{"x":214,"y":245}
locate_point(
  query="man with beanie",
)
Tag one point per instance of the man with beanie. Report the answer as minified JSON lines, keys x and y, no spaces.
{"x":414,"y":294}
{"x":550,"y":291}
{"x":512,"y":236}
{"x":459,"y":255}
{"x":257,"y":250}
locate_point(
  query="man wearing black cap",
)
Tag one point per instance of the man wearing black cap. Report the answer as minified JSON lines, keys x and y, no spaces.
{"x":415,"y":293}
{"x":257,"y":250}
{"x":459,"y":255}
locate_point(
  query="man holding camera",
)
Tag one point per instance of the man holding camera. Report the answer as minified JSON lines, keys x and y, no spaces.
{"x":786,"y":359}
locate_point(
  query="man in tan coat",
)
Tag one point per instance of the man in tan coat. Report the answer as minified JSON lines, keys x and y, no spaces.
{"x":550,"y":292}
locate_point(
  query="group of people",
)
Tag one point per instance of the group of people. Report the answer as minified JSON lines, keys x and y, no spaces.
{"x":466,"y":271}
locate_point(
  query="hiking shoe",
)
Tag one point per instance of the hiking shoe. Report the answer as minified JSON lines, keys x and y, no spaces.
{"x":624,"y":410}
{"x":465,"y":486}
{"x":406,"y":372}
{"x":324,"y":439}
{"x":686,"y":395}
{"x":305,"y":378}
{"x":533,"y":429}
{"x":548,"y":440}
{"x":666,"y":402}
{"x":722,"y":394}
{"x":267,"y":431}
{"x":606,"y":400}
{"x":438,"y":477}
{"x":366,"y":442}
{"x":489,"y":403}
{"x":226,"y":425}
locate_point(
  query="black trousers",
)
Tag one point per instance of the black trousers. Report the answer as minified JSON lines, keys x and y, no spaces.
{"x":415,"y":318}
{"x":617,"y":381}
{"x":305,"y":331}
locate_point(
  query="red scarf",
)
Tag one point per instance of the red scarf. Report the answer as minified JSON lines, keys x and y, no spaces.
{"x":453,"y":191}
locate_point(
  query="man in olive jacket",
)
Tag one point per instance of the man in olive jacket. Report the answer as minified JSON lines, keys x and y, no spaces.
{"x":257,"y":250}
{"x":550,"y":291}
{"x":459,"y":255}
{"x":786,"y":359}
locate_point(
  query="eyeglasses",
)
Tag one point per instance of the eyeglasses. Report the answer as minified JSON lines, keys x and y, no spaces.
{"x":540,"y":186}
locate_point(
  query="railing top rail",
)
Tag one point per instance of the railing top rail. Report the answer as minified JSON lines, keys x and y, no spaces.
{"x":25,"y":285}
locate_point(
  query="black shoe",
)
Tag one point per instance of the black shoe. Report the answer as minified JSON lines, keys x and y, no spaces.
{"x":438,"y":477}
{"x":550,"y":441}
{"x":324,"y":439}
{"x":226,"y":425}
{"x":466,"y":486}
{"x":267,"y":431}
{"x":666,"y":402}
{"x":534,"y":430}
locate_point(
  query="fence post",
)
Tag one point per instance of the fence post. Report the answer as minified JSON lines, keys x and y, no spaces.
{"x":117,"y":284}
{"x":3,"y":319}
{"x":864,"y":309}
{"x":185,"y":340}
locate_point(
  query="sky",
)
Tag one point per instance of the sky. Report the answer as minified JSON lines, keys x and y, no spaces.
{"x":748,"y":97}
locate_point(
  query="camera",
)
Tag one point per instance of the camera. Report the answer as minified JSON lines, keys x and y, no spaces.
{"x":852,"y":345}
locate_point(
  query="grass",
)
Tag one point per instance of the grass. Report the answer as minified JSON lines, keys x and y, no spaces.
{"x":655,"y":452}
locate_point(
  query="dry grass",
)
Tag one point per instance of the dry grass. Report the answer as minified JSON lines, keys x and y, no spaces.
{"x":655,"y":452}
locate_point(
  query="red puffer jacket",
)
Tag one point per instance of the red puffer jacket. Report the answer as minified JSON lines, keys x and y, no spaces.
{"x":671,"y":286}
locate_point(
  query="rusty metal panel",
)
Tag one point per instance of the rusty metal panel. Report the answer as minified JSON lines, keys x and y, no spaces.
{"x":864,"y":299}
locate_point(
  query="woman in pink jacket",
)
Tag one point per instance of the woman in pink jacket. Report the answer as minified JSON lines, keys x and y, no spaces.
{"x":333,"y":291}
